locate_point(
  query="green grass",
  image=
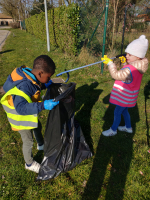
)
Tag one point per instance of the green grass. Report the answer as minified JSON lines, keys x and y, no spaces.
{"x":119,"y":168}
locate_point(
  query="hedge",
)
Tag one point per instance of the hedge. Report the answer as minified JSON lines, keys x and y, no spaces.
{"x":63,"y":27}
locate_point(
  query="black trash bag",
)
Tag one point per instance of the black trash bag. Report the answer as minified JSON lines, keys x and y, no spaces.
{"x":64,"y":143}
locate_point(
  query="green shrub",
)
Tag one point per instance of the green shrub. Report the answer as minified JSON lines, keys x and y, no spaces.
{"x":141,"y":26}
{"x":15,"y":25}
{"x":63,"y":27}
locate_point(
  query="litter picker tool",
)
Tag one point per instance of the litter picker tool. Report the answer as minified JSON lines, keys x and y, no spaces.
{"x":67,"y":71}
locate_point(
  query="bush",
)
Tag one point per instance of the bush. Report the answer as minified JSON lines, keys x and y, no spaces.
{"x":141,"y":26}
{"x":15,"y":25}
{"x":63,"y":27}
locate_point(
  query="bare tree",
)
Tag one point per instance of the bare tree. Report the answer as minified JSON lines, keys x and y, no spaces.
{"x":145,"y":3}
{"x":19,"y":9}
{"x":9,"y":7}
{"x":15,"y":8}
{"x":116,"y":16}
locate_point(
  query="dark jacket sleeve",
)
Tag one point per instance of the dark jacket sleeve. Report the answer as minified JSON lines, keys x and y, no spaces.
{"x":24,"y":108}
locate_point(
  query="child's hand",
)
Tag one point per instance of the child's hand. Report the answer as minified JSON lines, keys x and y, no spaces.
{"x":107,"y":60}
{"x":50,"y":104}
{"x":122,"y":59}
{"x":48,"y":84}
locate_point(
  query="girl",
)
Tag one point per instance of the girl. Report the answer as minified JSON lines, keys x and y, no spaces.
{"x":127,"y":83}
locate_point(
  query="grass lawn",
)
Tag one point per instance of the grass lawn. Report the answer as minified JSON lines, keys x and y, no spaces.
{"x":120,"y":167}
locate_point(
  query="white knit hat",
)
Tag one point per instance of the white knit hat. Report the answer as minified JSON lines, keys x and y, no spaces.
{"x":138,"y":47}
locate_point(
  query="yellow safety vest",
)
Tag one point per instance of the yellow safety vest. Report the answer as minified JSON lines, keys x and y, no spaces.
{"x":18,"y":122}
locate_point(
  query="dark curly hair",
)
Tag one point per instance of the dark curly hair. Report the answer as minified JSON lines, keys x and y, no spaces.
{"x":45,"y":63}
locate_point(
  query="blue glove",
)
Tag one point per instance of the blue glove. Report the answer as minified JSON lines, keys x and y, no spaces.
{"x":50,"y":104}
{"x":48,"y":84}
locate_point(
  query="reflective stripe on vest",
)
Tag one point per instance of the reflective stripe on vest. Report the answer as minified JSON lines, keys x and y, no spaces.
{"x":126,"y":94}
{"x":17,"y":121}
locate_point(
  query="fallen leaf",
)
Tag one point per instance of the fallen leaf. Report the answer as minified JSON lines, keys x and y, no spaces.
{"x":84,"y":183}
{"x":141,"y":173}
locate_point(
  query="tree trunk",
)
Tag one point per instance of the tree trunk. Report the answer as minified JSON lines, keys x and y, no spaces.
{"x":114,"y":22}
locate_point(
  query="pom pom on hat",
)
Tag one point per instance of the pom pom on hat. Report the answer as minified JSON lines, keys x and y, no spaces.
{"x":138,"y":47}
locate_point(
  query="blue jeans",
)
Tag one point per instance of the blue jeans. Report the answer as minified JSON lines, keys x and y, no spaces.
{"x":117,"y":117}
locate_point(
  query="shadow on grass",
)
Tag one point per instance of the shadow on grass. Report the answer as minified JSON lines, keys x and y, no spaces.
{"x":39,"y":156}
{"x":86,"y":97}
{"x":112,"y":160}
{"x":1,"y":52}
{"x":147,"y":96}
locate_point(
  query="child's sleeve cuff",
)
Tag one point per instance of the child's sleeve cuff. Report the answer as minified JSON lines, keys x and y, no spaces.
{"x":110,"y":63}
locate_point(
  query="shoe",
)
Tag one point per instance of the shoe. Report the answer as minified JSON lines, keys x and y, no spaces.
{"x":34,"y":167}
{"x":109,"y":132}
{"x":125,"y":129}
{"x":41,"y":147}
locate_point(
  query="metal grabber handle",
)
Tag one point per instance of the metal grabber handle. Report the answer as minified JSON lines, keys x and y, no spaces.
{"x":85,"y":66}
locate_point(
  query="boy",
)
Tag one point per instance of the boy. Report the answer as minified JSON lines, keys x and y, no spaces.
{"x":22,"y":103}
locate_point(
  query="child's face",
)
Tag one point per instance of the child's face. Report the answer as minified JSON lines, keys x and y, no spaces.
{"x":130,"y":58}
{"x":44,"y":77}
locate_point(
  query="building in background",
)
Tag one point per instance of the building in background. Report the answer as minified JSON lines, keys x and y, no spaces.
{"x":5,"y":20}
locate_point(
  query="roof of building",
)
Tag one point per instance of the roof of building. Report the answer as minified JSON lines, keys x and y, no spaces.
{"x":4,"y":16}
{"x":145,"y":15}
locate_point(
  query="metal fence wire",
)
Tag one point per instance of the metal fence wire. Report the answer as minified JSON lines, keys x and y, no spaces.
{"x":92,"y":16}
{"x":23,"y":25}
{"x":92,"y":22}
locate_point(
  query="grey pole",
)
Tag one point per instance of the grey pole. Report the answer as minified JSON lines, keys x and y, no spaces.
{"x":47,"y":30}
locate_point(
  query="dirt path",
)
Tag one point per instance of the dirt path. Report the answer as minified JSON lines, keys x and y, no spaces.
{"x":3,"y":35}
